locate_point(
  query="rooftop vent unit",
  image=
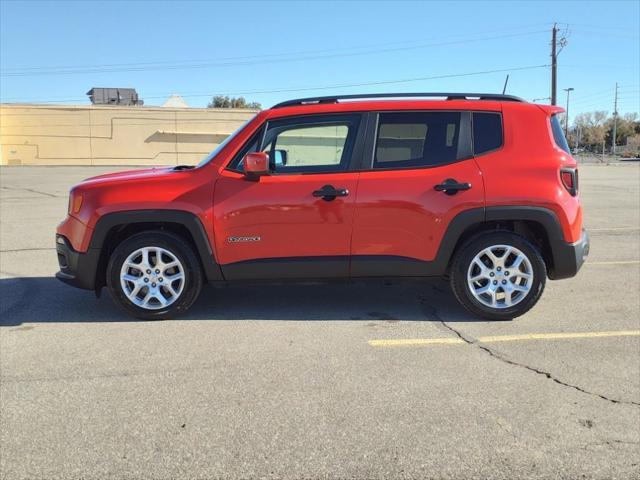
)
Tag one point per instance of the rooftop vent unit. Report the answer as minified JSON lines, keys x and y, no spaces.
{"x":114,"y":96}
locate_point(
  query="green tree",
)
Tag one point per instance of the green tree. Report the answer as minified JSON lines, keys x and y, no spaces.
{"x":224,"y":101}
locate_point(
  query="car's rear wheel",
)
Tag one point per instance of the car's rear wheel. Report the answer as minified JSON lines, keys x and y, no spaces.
{"x":498,"y":275}
{"x":154,"y":275}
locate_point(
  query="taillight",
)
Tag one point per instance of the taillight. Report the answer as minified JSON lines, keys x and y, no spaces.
{"x":569,"y":177}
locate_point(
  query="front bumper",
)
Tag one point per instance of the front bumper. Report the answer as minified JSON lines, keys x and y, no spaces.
{"x":76,"y":268}
{"x":569,"y":257}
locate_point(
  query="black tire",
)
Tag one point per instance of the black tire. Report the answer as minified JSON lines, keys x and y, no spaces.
{"x":462,"y":261}
{"x":178,"y":247}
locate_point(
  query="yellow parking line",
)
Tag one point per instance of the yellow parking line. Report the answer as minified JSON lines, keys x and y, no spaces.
{"x":615,"y":262}
{"x":613,"y":229}
{"x":404,"y":342}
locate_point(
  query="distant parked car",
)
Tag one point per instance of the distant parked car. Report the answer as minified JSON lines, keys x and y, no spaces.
{"x":479,"y":187}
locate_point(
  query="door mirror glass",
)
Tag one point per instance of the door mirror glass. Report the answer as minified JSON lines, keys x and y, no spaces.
{"x":279,"y":158}
{"x":255,"y":164}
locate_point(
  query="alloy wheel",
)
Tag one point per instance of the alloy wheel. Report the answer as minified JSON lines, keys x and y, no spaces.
{"x":152,"y":278}
{"x":500,"y":276}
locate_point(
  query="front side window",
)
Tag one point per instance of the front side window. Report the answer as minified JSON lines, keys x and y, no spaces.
{"x":315,"y":146}
{"x":416,"y":139}
{"x":310,"y":145}
{"x":304,"y":144}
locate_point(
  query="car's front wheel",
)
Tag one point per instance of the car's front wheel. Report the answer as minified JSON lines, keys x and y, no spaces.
{"x":154,"y":275}
{"x":498,"y":275}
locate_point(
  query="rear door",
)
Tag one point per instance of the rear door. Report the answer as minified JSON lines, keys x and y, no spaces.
{"x":420,"y":173}
{"x":297,"y":221}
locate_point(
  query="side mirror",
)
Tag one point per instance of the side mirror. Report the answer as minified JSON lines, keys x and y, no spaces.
{"x":256,"y":164}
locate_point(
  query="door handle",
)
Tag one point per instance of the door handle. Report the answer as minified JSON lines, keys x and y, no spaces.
{"x":329,"y":192}
{"x":451,"y":186}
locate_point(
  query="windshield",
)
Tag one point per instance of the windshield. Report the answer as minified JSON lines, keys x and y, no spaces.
{"x":224,"y":143}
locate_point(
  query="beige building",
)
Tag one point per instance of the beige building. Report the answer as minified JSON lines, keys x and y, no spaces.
{"x":112,"y":135}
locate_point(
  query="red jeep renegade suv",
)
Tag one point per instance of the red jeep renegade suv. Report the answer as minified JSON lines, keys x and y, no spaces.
{"x":478,"y":187}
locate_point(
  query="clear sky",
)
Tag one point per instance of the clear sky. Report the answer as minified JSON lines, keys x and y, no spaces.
{"x":272,"y":51}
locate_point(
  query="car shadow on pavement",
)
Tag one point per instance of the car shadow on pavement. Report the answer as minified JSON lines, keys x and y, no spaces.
{"x":47,"y":300}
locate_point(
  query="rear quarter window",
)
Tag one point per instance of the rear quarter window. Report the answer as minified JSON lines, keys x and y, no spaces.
{"x":487,"y":132}
{"x":558,"y":134}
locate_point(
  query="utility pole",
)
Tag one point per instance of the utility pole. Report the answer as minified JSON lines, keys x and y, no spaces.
{"x":554,"y":63}
{"x":615,"y":121}
{"x":566,"y":120}
{"x":555,"y":51}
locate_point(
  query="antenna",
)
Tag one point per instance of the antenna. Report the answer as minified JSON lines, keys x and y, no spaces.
{"x":506,"y":81}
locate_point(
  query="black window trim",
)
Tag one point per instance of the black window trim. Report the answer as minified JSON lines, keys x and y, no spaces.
{"x":356,"y":147}
{"x":486,"y":152}
{"x":363,"y":151}
{"x":232,"y":166}
{"x":465,"y":140}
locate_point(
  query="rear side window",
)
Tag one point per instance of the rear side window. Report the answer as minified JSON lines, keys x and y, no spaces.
{"x":487,"y":132}
{"x":558,"y":134}
{"x":414,"y":140}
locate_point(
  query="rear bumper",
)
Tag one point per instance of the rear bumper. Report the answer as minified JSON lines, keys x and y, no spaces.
{"x":569,"y":257}
{"x":76,"y":268}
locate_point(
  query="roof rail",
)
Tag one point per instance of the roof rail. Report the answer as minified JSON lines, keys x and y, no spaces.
{"x":448,"y":96}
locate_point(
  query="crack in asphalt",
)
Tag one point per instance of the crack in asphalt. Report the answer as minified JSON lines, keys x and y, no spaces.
{"x":609,"y":443}
{"x":32,"y":191}
{"x":473,"y":342}
{"x":26,"y":249}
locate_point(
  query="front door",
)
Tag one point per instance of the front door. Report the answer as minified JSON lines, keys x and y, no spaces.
{"x":421,"y":175}
{"x":297,"y":221}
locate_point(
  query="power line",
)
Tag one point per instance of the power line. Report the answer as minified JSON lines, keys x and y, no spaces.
{"x":591,"y":66}
{"x":240,"y":61}
{"x":599,"y":27}
{"x":351,"y":85}
{"x":594,"y":101}
{"x":260,"y":56}
{"x":596,"y":96}
{"x":605,"y":100}
{"x":606,"y":34}
{"x":593,"y":94}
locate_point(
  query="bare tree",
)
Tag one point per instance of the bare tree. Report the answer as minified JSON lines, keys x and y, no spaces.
{"x":596,"y":128}
{"x":592,"y":127}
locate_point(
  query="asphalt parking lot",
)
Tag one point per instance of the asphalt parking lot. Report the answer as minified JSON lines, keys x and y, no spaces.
{"x":349,"y":381}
